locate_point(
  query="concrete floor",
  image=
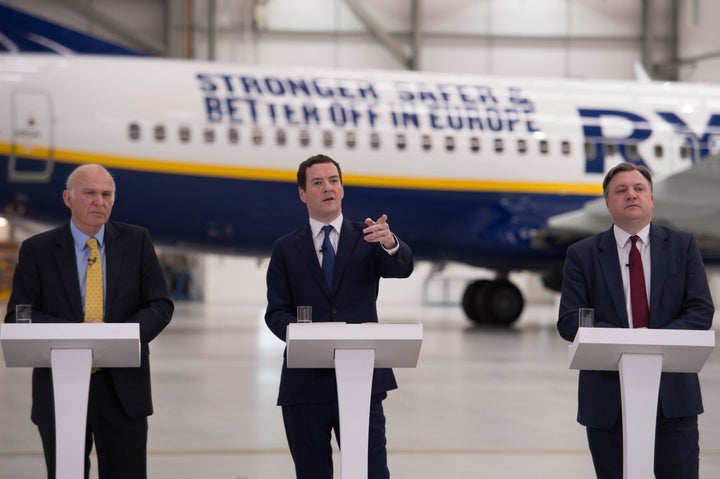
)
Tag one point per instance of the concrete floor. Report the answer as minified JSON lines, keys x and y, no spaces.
{"x":482,"y":402}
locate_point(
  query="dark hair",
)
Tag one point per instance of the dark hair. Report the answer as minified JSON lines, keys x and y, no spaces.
{"x":626,"y":167}
{"x":313,"y":160}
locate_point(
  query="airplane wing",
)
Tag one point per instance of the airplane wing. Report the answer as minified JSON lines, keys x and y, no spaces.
{"x":688,"y":201}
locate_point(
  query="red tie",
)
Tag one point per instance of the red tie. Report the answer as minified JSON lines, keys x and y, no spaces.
{"x":638,"y":295}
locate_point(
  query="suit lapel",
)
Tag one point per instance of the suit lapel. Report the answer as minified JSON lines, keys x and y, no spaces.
{"x":306,"y":252}
{"x":658,"y":266}
{"x":609,"y":264}
{"x":67,"y":266}
{"x":113,"y":263}
{"x":349,"y":236}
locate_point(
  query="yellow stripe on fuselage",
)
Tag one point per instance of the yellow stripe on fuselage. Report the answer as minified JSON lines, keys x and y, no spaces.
{"x":289,"y":176}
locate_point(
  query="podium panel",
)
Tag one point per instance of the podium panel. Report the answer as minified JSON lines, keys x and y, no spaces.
{"x":353,"y":350}
{"x":30,"y":344}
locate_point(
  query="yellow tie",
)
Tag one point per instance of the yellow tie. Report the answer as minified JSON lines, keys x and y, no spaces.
{"x":93,"y":283}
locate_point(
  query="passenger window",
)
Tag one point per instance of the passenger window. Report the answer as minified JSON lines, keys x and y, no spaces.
{"x":475,"y":144}
{"x":233,"y":136}
{"x":350,"y":139}
{"x":565,"y":147}
{"x":449,"y":143}
{"x":499,"y":147}
{"x":590,"y":151}
{"x":659,"y":151}
{"x":280,"y":137}
{"x":544,"y":147}
{"x":400,"y":141}
{"x":632,"y":151}
{"x":521,"y":146}
{"x":159,"y":133}
{"x":426,"y":142}
{"x":134,"y":131}
{"x":374,"y":140}
{"x":327,"y":139}
{"x":684,"y":151}
{"x":304,"y":138}
{"x":610,"y":149}
{"x":184,"y":134}
{"x":257,"y":136}
{"x":209,"y":135}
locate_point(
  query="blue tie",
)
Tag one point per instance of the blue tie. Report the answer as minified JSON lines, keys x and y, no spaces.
{"x":328,"y":258}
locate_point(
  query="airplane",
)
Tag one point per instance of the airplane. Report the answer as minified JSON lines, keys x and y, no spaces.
{"x":487,"y":171}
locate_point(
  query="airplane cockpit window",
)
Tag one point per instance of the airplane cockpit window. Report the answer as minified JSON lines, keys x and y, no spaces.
{"x":426,"y":142}
{"x":499,"y":146}
{"x":134,"y":131}
{"x":209,"y":135}
{"x":233,"y":136}
{"x":159,"y":133}
{"x":184,"y":133}
{"x":280,"y":137}
{"x":327,"y":137}
{"x":400,"y":141}
{"x":565,"y":147}
{"x":257,"y":136}
{"x":659,"y":151}
{"x":522,"y":145}
{"x":475,"y":144}
{"x":450,"y":143}
{"x":350,"y":139}
{"x":304,"y":137}
{"x":374,"y":140}
{"x":544,"y":147}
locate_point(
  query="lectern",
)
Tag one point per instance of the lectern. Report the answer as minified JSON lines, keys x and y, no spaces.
{"x":640,"y":355}
{"x":71,"y":350}
{"x":353,"y":350}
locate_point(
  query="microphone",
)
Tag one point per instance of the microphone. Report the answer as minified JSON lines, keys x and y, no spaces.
{"x":322,"y":249}
{"x":630,"y":265}
{"x":91,"y":261}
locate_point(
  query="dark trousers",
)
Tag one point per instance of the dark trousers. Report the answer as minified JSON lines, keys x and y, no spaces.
{"x":120,"y":441}
{"x":677,"y":449}
{"x":309,"y":427}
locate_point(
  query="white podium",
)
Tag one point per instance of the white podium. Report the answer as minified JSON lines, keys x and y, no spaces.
{"x":640,"y":355}
{"x":353,"y":350}
{"x":71,"y":350}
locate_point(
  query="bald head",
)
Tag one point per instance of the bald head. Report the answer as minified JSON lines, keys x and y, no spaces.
{"x":90,"y":195}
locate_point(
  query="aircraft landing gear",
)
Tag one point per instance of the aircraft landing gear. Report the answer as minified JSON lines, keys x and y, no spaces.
{"x":497,"y":301}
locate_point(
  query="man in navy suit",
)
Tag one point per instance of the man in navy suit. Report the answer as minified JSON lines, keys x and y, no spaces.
{"x":596,"y":275}
{"x":364,"y":252}
{"x":50,"y":276}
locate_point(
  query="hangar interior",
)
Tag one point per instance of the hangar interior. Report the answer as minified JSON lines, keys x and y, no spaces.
{"x":470,"y":409}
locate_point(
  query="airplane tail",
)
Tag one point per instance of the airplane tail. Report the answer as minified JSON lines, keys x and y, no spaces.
{"x":23,"y":33}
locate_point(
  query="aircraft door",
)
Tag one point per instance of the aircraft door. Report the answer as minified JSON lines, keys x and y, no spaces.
{"x":31,"y":138}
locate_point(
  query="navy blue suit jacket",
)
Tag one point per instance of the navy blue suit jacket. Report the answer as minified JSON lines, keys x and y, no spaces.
{"x":679,"y":299}
{"x":295,"y":278}
{"x":46,"y":277}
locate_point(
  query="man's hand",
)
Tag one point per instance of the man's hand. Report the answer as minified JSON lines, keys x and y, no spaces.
{"x":379,"y":232}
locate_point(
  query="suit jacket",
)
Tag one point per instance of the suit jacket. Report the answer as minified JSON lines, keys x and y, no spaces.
{"x":46,"y":277}
{"x":295,"y":278}
{"x":679,"y":299}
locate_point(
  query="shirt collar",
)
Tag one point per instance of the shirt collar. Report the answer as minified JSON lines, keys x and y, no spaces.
{"x":80,"y":238}
{"x":622,"y":237}
{"x":316,"y":226}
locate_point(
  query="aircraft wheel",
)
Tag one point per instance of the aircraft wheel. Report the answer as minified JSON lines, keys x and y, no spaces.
{"x":493,"y":301}
{"x":471,"y":300}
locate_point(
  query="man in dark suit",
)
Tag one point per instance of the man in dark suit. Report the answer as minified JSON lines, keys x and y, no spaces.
{"x":597,"y":275}
{"x":364,"y":253}
{"x":50,"y":275}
